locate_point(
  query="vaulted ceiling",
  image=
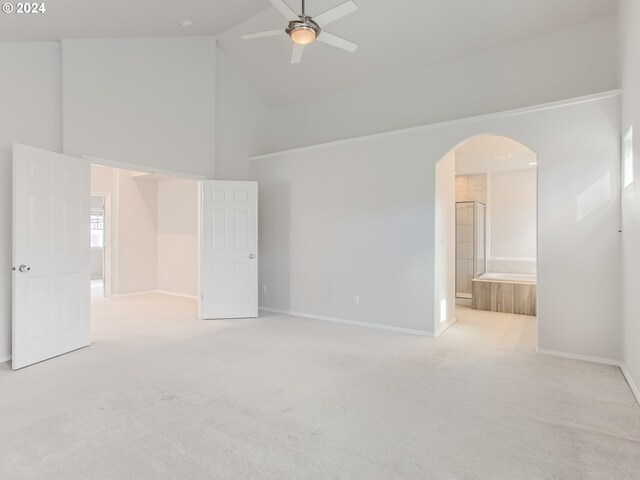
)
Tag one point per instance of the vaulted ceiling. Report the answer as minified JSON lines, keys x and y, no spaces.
{"x":394,"y":36}
{"x":126,"y":18}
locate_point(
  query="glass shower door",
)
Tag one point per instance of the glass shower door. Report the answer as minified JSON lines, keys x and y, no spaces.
{"x":480,"y":261}
{"x":471,"y":254}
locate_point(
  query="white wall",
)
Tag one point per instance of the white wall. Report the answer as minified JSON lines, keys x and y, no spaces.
{"x":445,"y":241}
{"x":562,"y":65}
{"x":512,"y":214}
{"x":178,"y":246}
{"x":154,"y":233}
{"x":241,"y":121}
{"x":30,"y":107}
{"x":630,"y":40}
{"x":136,"y":225}
{"x":358,"y":218}
{"x":147,"y":101}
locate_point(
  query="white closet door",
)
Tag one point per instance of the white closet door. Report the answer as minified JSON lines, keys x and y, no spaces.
{"x":51,"y":255}
{"x":229,"y":249}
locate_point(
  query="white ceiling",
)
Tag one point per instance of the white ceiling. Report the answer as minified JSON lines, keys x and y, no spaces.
{"x":394,"y":37}
{"x":126,"y":18}
{"x":477,"y":155}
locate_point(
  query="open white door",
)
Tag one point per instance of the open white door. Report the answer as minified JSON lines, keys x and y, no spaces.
{"x":51,"y":255}
{"x":229,"y":284}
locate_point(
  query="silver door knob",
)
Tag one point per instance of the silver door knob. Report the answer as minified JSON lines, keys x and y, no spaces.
{"x":24,"y":268}
{"x":252,"y":256}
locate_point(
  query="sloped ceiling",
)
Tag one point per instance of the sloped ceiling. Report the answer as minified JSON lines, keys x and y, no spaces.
{"x":394,"y":37}
{"x":126,"y":18}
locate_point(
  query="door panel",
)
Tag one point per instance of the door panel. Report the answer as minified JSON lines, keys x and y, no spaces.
{"x":51,"y":212}
{"x":229,"y":249}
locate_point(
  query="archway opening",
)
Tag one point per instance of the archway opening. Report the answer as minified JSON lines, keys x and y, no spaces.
{"x":486,"y":235}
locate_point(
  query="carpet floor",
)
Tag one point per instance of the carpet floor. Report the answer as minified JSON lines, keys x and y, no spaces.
{"x":162,"y":395}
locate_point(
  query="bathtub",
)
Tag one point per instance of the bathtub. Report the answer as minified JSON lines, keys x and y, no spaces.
{"x":505,"y":293}
{"x":509,"y":277}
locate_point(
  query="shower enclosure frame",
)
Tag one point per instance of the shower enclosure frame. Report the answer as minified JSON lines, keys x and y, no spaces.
{"x":476,"y":273}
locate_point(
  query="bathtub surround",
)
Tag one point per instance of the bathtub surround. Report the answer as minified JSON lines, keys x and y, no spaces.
{"x":504,"y":295}
{"x":502,"y":240}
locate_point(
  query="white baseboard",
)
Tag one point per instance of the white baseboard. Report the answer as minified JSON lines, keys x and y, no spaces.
{"x":605,"y":361}
{"x":6,"y":358}
{"x":163,"y":292}
{"x":132,"y":294}
{"x":631,"y":382}
{"x":445,"y":326}
{"x":378,"y":326}
{"x":175,"y":294}
{"x":577,"y":356}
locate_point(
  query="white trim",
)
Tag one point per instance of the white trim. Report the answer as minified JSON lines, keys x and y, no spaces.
{"x":631,"y":382}
{"x":578,"y":356}
{"x":133,"y":294}
{"x":445,"y":326}
{"x":6,"y":358}
{"x":462,"y":121}
{"x":140,"y":168}
{"x":356,"y":323}
{"x":175,"y":294}
{"x":163,"y":292}
{"x":511,"y":259}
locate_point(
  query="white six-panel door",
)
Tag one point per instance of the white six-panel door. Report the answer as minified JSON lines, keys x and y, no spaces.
{"x":51,"y":255}
{"x":229,"y":284}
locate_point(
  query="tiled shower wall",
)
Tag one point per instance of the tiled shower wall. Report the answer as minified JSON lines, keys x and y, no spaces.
{"x":468,"y":188}
{"x":471,"y":187}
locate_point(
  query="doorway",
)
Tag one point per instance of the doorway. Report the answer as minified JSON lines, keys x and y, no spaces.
{"x":486,"y":199}
{"x":152,"y":242}
{"x":52,"y":246}
{"x":97,"y":225}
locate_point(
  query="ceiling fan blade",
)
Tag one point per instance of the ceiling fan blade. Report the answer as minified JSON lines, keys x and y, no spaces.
{"x":270,"y":33}
{"x":335,"y":41}
{"x":285,"y":10}
{"x":296,"y":55}
{"x":335,"y":13}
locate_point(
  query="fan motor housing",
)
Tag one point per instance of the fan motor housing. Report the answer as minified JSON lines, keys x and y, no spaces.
{"x":304,"y":22}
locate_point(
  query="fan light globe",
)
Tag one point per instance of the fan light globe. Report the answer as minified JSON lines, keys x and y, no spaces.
{"x":303,"y":35}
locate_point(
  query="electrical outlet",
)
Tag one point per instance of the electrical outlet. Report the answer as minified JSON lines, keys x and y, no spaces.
{"x":264,"y":289}
{"x":356,"y":299}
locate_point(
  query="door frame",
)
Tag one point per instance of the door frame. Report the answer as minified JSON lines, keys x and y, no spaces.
{"x":113,"y":229}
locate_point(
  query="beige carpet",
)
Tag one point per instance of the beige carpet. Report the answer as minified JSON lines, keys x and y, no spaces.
{"x":161,"y":395}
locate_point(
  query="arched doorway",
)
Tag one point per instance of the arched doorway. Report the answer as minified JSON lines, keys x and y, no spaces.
{"x":486,"y":231}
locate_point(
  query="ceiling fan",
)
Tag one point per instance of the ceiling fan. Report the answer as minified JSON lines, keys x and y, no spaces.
{"x":305,"y":30}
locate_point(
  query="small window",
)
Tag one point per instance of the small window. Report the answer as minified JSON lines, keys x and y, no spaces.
{"x":627,"y":158}
{"x":97,"y":230}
